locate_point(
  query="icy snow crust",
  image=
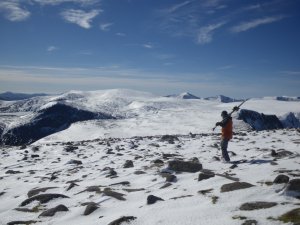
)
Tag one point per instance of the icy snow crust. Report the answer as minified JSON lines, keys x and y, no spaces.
{"x":102,"y":144}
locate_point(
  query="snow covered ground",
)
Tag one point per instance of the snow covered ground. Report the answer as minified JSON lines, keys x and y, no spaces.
{"x":85,"y":163}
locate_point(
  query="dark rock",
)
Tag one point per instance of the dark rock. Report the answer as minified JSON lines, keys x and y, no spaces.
{"x":51,"y":212}
{"x":151,"y":199}
{"x":139,"y":172}
{"x":293,"y":188}
{"x":35,"y":156}
{"x":27,"y":222}
{"x":205,"y":176}
{"x":124,"y":183}
{"x":2,"y":193}
{"x":76,"y":162}
{"x":235,"y":186}
{"x":292,"y":216}
{"x":12,"y":172}
{"x":250,"y":222}
{"x":70,"y":148}
{"x":166,"y":185}
{"x":37,"y":191}
{"x":257,"y":205}
{"x":90,"y":208}
{"x":158,"y":161}
{"x":281,"y":179}
{"x":169,"y":138}
{"x":116,"y":195}
{"x":122,"y":220}
{"x":260,"y":121}
{"x":133,"y":190}
{"x":182,"y":166}
{"x":42,"y":198}
{"x":169,"y":177}
{"x":128,"y":164}
{"x":72,"y":185}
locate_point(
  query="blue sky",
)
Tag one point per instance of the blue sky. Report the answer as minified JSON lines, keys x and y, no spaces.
{"x":239,"y":48}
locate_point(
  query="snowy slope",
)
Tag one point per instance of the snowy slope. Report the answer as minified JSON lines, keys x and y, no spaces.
{"x":187,"y":201}
{"x":85,"y":163}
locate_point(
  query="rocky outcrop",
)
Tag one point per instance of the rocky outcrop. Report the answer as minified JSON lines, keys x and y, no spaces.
{"x":47,"y":121}
{"x":260,"y":121}
{"x":52,"y":211}
{"x":235,"y":186}
{"x":42,"y":198}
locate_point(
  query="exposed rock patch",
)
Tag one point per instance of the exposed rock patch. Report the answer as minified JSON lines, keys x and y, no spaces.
{"x":235,"y":186}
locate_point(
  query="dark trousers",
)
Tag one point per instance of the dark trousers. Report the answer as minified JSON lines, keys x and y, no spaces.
{"x":224,"y":145}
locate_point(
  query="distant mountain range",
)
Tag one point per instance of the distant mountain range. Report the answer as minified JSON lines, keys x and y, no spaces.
{"x":10,"y":96}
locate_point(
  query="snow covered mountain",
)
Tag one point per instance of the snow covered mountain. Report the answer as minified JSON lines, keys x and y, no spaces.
{"x":222,"y":98}
{"x":185,"y":95}
{"x":10,"y":96}
{"x":126,"y":113}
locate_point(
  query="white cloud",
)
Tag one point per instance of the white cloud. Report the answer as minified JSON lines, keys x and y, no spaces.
{"x":13,"y":11}
{"x":148,"y":45}
{"x":244,"y":26}
{"x":205,"y":33}
{"x":80,"y":17}
{"x":121,"y":34}
{"x":52,"y":48}
{"x":178,"y":6}
{"x":105,"y":26}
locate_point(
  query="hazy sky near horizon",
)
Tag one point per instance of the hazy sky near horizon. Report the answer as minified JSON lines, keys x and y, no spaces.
{"x":246,"y":48}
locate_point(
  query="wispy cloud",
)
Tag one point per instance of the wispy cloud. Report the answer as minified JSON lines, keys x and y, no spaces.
{"x":206,"y":33}
{"x":244,"y":26}
{"x":80,"y":17}
{"x":174,"y":8}
{"x":13,"y":11}
{"x":148,"y":45}
{"x":105,"y":26}
{"x":290,"y":73}
{"x":52,"y":48}
{"x":120,"y":34}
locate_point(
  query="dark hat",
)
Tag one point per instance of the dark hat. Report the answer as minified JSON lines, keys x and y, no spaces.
{"x":224,"y":113}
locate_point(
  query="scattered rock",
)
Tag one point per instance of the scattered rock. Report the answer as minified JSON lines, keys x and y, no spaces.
{"x":182,"y":166}
{"x":205,"y":176}
{"x":166,"y":185}
{"x":139,"y":172}
{"x":257,"y":205}
{"x":293,"y":188}
{"x":128,"y":164}
{"x":116,"y":195}
{"x":37,"y":191}
{"x":204,"y":192}
{"x":51,"y":212}
{"x":70,"y":148}
{"x":12,"y":172}
{"x":72,"y":185}
{"x":158,"y":161}
{"x":90,"y":208}
{"x":122,"y":219}
{"x":2,"y":193}
{"x":134,"y":190}
{"x":42,"y":198}
{"x":73,"y":161}
{"x":171,"y":178}
{"x":292,"y":216}
{"x":151,"y":199}
{"x":250,"y":222}
{"x":169,"y":138}
{"x":27,"y":222}
{"x":281,"y":179}
{"x":235,"y":186}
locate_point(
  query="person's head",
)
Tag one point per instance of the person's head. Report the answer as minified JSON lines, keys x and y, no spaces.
{"x":224,"y":114}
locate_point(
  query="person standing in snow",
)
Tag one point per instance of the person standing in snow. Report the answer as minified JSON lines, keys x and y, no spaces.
{"x":226,"y":125}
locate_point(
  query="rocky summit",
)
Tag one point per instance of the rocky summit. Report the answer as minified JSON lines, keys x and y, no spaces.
{"x":108,"y":181}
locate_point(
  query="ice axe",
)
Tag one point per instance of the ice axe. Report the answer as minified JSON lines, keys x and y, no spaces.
{"x":235,"y":108}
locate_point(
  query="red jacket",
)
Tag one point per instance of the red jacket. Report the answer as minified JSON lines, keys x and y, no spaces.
{"x":226,"y":125}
